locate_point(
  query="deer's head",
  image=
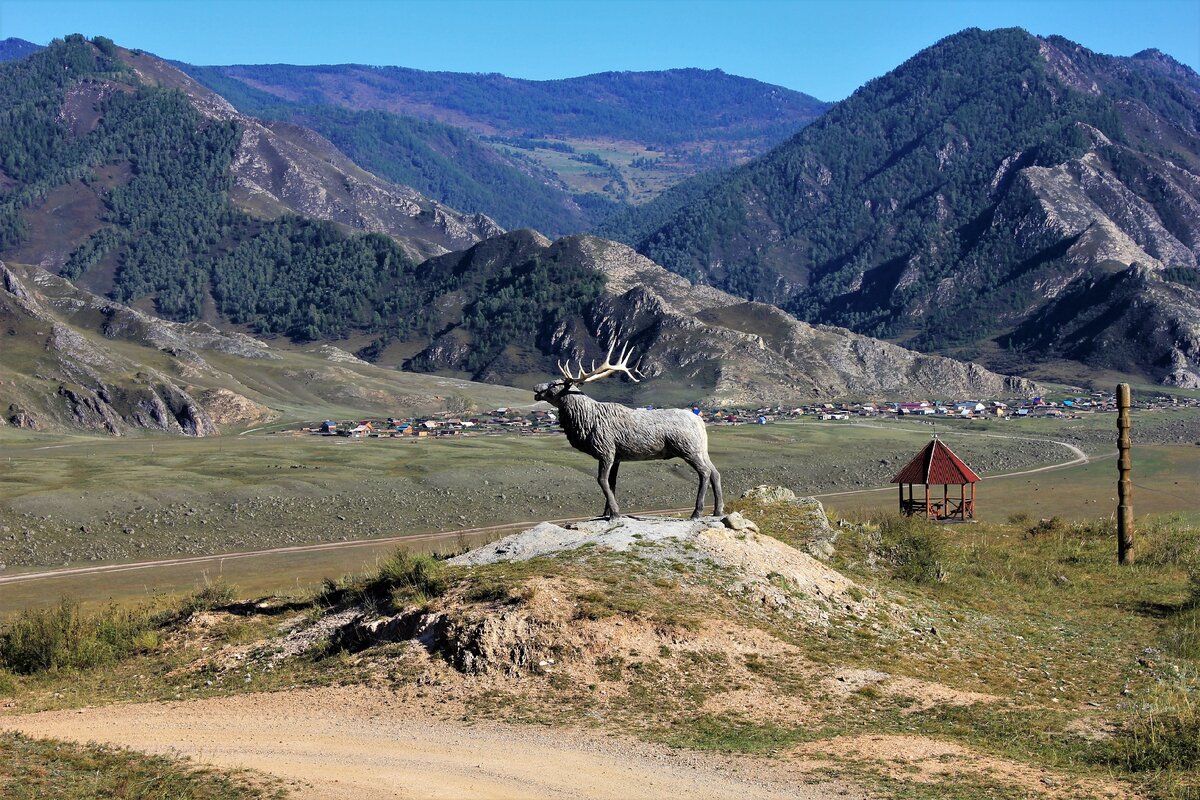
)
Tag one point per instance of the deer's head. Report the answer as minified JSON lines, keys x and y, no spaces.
{"x":570,"y":382}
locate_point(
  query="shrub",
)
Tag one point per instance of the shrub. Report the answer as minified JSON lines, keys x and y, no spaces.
{"x":1181,"y":635}
{"x":1164,"y":739}
{"x":408,"y":578}
{"x":489,"y":589}
{"x":64,"y":637}
{"x":1044,"y":527}
{"x":1169,"y":541}
{"x":213,"y":595}
{"x":915,"y":549}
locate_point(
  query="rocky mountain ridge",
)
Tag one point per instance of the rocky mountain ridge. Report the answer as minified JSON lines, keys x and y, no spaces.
{"x":969,"y":198}
{"x":601,"y":140}
{"x":280,"y":168}
{"x":697,"y":341}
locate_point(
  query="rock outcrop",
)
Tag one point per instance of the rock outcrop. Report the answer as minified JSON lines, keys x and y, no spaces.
{"x":61,"y":341}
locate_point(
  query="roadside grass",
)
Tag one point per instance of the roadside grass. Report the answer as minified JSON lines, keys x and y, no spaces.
{"x":1095,"y":667}
{"x":42,"y":768}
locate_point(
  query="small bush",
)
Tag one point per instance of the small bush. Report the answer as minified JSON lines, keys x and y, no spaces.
{"x":915,"y":549}
{"x":408,"y":578}
{"x":1165,"y":738}
{"x":213,"y":595}
{"x":64,"y":637}
{"x":1021,"y":519}
{"x":488,"y":590}
{"x":1181,"y":635}
{"x":1168,"y":541}
{"x":1044,"y":527}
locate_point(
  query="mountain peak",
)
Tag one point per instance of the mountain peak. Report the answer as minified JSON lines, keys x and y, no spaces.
{"x":13,"y":48}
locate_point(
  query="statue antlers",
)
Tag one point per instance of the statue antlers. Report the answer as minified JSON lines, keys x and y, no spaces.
{"x":604,"y":370}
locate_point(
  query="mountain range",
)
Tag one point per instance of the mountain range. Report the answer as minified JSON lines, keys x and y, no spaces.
{"x":1014,"y":199}
{"x":555,"y":155}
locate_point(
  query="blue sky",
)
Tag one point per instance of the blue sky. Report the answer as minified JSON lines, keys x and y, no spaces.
{"x":823,"y":47}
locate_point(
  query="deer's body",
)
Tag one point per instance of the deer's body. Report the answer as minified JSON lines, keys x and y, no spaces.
{"x":612,"y":433}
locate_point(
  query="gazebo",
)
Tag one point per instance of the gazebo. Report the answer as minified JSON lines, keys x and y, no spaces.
{"x":936,"y":464}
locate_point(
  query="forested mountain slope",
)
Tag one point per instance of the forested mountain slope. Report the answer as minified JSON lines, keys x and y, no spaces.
{"x":1000,"y":196}
{"x":13,"y":48}
{"x":120,"y":172}
{"x":619,"y":136}
{"x":442,"y":161}
{"x":73,"y":360}
{"x":127,"y":177}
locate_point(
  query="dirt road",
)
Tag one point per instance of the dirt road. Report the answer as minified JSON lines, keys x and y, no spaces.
{"x":351,"y":743}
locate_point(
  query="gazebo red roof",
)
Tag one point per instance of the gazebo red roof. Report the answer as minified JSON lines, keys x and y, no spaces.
{"x":936,"y":464}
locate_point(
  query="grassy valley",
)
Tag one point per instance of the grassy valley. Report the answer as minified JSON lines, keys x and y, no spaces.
{"x":1009,"y":659}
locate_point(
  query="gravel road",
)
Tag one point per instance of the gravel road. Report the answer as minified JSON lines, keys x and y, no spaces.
{"x":352,"y":742}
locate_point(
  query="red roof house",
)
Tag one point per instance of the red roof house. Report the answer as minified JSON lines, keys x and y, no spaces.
{"x":935,"y":465}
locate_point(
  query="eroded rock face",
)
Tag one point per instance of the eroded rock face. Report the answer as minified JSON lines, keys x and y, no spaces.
{"x":79,"y":381}
{"x":542,"y":623}
{"x":21,"y":418}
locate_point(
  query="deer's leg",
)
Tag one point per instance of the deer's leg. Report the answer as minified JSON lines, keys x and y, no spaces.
{"x":612,"y":476}
{"x":607,"y":478}
{"x":718,"y":498}
{"x":703,"y":471}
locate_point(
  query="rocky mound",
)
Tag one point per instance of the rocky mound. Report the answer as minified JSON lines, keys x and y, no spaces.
{"x":570,"y":599}
{"x":755,"y":565}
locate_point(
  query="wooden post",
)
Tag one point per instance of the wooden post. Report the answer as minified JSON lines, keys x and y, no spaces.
{"x":1125,"y":482}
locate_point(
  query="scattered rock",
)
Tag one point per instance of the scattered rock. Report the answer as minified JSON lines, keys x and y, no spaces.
{"x":735,"y":521}
{"x":769,"y":495}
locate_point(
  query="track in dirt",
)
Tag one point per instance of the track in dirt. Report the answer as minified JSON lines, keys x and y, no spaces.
{"x":350,"y":742}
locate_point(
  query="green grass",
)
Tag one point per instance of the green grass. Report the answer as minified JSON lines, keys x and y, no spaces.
{"x":46,"y":768}
{"x":64,"y":637}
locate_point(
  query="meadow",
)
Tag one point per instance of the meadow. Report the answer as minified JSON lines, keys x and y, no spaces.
{"x":341,"y":504}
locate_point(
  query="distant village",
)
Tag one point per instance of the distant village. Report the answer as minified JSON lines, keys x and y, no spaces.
{"x":531,"y":422}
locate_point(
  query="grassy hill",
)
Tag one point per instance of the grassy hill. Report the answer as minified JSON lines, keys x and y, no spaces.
{"x":1008,"y":660}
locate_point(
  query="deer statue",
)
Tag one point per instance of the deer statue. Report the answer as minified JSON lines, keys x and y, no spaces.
{"x":612,"y":433}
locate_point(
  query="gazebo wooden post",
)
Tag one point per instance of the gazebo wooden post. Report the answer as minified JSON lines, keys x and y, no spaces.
{"x":927,"y":501}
